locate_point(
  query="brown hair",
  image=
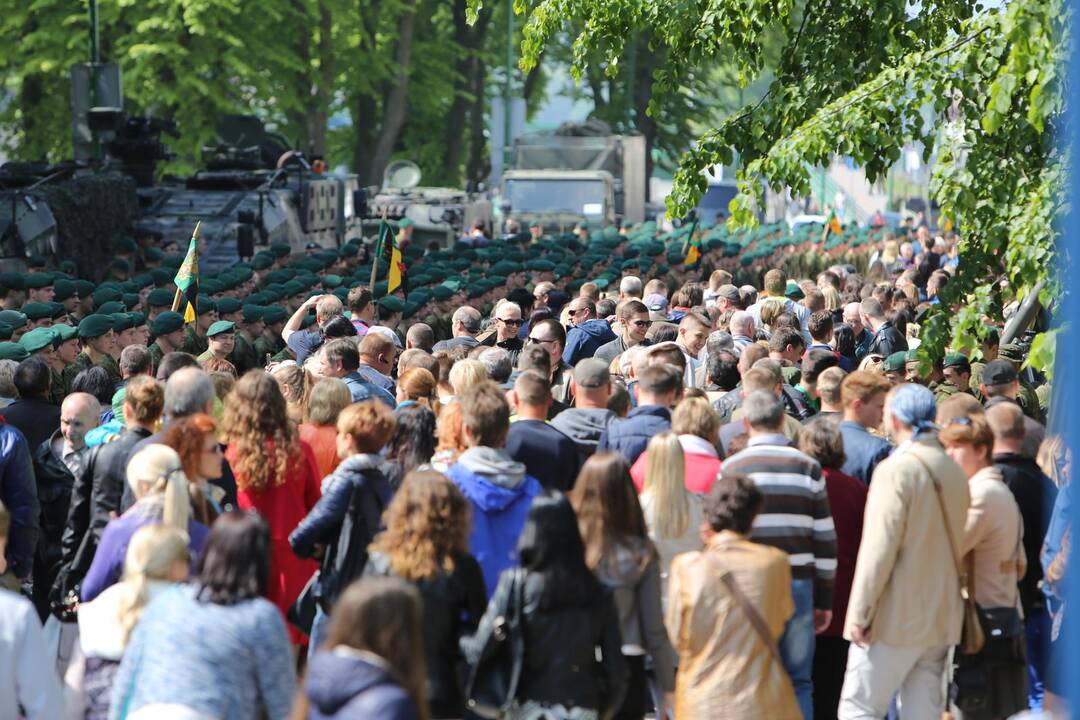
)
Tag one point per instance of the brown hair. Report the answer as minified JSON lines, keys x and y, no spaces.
{"x":257,"y":426}
{"x":821,"y":439}
{"x":862,"y":385}
{"x":219,"y":365}
{"x":427,"y":525}
{"x":146,"y":398}
{"x":419,"y":385}
{"x":450,"y":432}
{"x":607,"y":506}
{"x":486,"y":414}
{"x":370,"y":423}
{"x":695,"y":416}
{"x":732,"y":503}
{"x":532,"y":388}
{"x":968,"y":430}
{"x":296,"y":380}
{"x":328,"y":398}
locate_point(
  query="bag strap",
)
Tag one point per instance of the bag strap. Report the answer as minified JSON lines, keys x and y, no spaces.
{"x":961,"y":575}
{"x":756,"y":621}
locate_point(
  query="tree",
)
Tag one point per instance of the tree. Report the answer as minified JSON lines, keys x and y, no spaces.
{"x":859,"y":78}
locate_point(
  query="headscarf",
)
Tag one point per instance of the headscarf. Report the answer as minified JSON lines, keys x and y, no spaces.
{"x":914,"y":405}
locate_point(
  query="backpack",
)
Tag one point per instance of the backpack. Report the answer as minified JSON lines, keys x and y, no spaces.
{"x":362,"y":523}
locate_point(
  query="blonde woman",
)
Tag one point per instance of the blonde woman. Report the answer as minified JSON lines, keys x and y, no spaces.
{"x":673,"y":515}
{"x":698,"y":427}
{"x":465,"y":374}
{"x":156,"y":477}
{"x":157,"y":558}
{"x":319,"y":430}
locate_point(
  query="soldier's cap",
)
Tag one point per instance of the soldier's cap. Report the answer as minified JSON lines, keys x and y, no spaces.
{"x":656,"y":302}
{"x":85,"y":288}
{"x":534,"y":223}
{"x":405,"y":222}
{"x":221,"y":326}
{"x":14,"y":318}
{"x":6,"y":331}
{"x":592,"y":373}
{"x":95,"y":325}
{"x":167,"y":322}
{"x":154,"y":254}
{"x":13,"y":280}
{"x":130,"y":299}
{"x":912,"y":355}
{"x":68,"y":266}
{"x":312,"y":246}
{"x":37,"y":310}
{"x":542,"y":265}
{"x":122,"y":321}
{"x":280,"y":250}
{"x":64,"y":289}
{"x":228,"y":305}
{"x":957,"y":360}
{"x":253,"y":313}
{"x":111,"y":308}
{"x":37,"y":339}
{"x":35,"y":261}
{"x":106,"y":293}
{"x":160,"y":297}
{"x":124,"y":243}
{"x":162,"y":276}
{"x":442,"y":292}
{"x":13,"y":351}
{"x":583,"y":225}
{"x":896,"y":361}
{"x":205,"y":305}
{"x":121,"y":264}
{"x":1011,"y":352}
{"x":139,"y":281}
{"x":137,"y":318}
{"x":391,"y":304}
{"x":261,"y":262}
{"x":409,"y":309}
{"x":999,"y":372}
{"x":39,"y":280}
{"x":64,"y":332}
{"x":331,"y":281}
{"x":729,"y":292}
{"x":274,"y":315}
{"x":629,"y":264}
{"x":793,"y":291}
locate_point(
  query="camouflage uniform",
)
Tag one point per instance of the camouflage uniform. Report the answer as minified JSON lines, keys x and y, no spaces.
{"x":156,"y":353}
{"x":1029,"y":401}
{"x":946,"y":390}
{"x":243,"y":356}
{"x":80,"y":363}
{"x":194,"y":343}
{"x":58,"y":389}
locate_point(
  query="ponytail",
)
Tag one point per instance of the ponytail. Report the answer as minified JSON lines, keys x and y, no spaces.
{"x":153,"y":551}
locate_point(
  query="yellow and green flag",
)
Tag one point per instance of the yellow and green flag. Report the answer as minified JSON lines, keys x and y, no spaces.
{"x":187,"y":280}
{"x":390,"y":253}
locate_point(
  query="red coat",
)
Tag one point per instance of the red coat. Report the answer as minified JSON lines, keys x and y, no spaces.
{"x":701,"y":471}
{"x":847,"y":500}
{"x":284,"y":506}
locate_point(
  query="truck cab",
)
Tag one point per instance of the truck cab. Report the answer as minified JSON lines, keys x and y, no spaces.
{"x":559,"y":199}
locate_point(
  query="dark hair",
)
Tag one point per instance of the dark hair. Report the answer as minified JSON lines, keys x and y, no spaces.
{"x":523,"y":299}
{"x":605,"y":308}
{"x":660,"y":379}
{"x":816,"y":362}
{"x":550,"y":545}
{"x":32,"y":378}
{"x":722,"y":367}
{"x":607,"y":506}
{"x":540,"y":314}
{"x":820,"y":325}
{"x":554,"y":327}
{"x":171,"y":362}
{"x":662,"y":332}
{"x":732,"y":503}
{"x":844,"y":340}
{"x":358,"y":299}
{"x":235,"y":564}
{"x":784,"y":336}
{"x":413,"y":441}
{"x":95,"y":381}
{"x":342,"y":352}
{"x":534,"y":357}
{"x":338,"y":327}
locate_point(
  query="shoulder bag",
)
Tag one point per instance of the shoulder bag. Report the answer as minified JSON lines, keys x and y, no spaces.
{"x":496,"y":664}
{"x":756,"y":621}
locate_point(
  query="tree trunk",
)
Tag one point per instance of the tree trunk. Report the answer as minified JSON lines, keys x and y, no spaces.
{"x":365,"y":105}
{"x":298,"y":116}
{"x":532,"y":78}
{"x":394,"y":107}
{"x":471,"y":41}
{"x":646,"y":124}
{"x":324,"y":81}
{"x":478,"y":168}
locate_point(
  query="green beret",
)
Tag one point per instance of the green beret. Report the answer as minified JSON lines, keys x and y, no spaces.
{"x":543,"y":265}
{"x":957,"y":360}
{"x":793,"y":291}
{"x":130,"y":299}
{"x":96,"y":325}
{"x":85,"y":288}
{"x":274,"y":315}
{"x":6,"y":331}
{"x":154,"y":254}
{"x":111,"y":308}
{"x":442,"y":293}
{"x":162,"y":276}
{"x":167,"y":322}
{"x":253,"y":313}
{"x":896,"y":361}
{"x":409,"y":309}
{"x":391,"y":304}
{"x":204,"y":304}
{"x":122,"y":321}
{"x":261,"y":262}
{"x":64,"y":332}
{"x":228,"y":305}
{"x":140,"y":281}
{"x":331,"y":281}
{"x":124,"y":243}
{"x":280,"y":250}
{"x":13,"y":280}
{"x":36,"y":281}
{"x":106,"y":293}
{"x":210,"y":286}
{"x":64,"y":289}
{"x":13,"y":351}
{"x":35,"y":261}
{"x":161,"y":297}
{"x":912,"y":355}
{"x":138,"y":319}
{"x":404,"y":223}
{"x":37,"y":339}
{"x":121,"y":264}
{"x":14,"y":318}
{"x":628,"y":264}
{"x":221,"y":326}
{"x":37,"y":310}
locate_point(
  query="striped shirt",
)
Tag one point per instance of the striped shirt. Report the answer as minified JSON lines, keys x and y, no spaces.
{"x":795,"y":515}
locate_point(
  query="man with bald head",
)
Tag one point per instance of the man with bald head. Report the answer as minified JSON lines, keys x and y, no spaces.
{"x":57,"y":462}
{"x":742,"y":329}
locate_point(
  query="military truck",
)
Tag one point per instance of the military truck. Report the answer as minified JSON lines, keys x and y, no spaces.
{"x":438,"y":214}
{"x":578,"y":172}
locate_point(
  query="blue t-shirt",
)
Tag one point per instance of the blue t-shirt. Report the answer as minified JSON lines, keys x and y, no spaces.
{"x":304,"y":342}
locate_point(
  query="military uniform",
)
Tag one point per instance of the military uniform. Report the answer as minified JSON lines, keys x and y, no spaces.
{"x":945,"y":390}
{"x":265,"y":346}
{"x":156,"y":354}
{"x":1029,"y":401}
{"x":243,"y":357}
{"x":194,"y":343}
{"x":58,"y":389}
{"x":80,"y":363}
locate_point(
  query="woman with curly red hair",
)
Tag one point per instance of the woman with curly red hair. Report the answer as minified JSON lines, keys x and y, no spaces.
{"x":276,"y":474}
{"x":194,"y":438}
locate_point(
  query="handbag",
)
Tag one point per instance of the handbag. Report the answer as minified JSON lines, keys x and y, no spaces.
{"x":972,"y":637}
{"x":301,"y":613}
{"x":493,"y":679}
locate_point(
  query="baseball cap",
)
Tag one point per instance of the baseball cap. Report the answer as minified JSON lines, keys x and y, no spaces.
{"x":999,"y":372}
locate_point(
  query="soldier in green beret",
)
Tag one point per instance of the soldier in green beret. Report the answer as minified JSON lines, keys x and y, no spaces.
{"x":38,"y":314}
{"x":956,"y":377}
{"x":390,"y":310}
{"x":42,"y":342}
{"x":17,"y":321}
{"x":195,"y":333}
{"x":244,"y":357}
{"x":12,"y":351}
{"x":39,"y":287}
{"x":12,"y":290}
{"x":896,"y":367}
{"x":221,"y":337}
{"x":270,"y":344}
{"x":98,"y":343}
{"x":66,"y":344}
{"x":158,"y":301}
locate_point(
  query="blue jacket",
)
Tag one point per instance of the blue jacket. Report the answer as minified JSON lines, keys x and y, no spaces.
{"x":631,"y":434}
{"x":18,"y":492}
{"x":362,"y":390}
{"x":351,"y":685}
{"x":862,"y":451}
{"x":583,"y":340}
{"x":501,"y":494}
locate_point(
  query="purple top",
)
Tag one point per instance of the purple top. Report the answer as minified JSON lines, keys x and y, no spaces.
{"x":108,"y":563}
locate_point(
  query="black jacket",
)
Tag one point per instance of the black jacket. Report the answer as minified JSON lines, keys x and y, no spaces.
{"x":886,"y":341}
{"x":453,"y":605}
{"x":18,"y":493}
{"x":1035,"y":495}
{"x":37,"y":419}
{"x":95,"y":495}
{"x":560,"y":664}
{"x":54,"y":484}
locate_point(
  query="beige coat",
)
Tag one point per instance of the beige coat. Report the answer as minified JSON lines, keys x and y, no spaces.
{"x":994,"y":533}
{"x":906,"y":589}
{"x":726,"y":671}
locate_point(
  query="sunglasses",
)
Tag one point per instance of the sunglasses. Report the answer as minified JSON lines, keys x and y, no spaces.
{"x":513,"y":322}
{"x":962,"y":420}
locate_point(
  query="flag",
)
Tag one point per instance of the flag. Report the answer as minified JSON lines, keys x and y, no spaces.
{"x":833,"y":224}
{"x":187,"y":279}
{"x":390,"y":253}
{"x":693,"y":254}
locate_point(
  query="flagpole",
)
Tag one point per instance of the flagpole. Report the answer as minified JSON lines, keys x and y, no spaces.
{"x":375,"y":259}
{"x":195,"y":237}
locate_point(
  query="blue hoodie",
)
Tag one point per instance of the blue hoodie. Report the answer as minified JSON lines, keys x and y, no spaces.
{"x":347,"y":684}
{"x":583,"y":340}
{"x":501,"y":494}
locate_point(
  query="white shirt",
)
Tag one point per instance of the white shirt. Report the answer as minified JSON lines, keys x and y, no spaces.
{"x":27,"y":675}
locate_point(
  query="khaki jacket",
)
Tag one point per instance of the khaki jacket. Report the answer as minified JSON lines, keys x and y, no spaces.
{"x":906,"y":589}
{"x":726,"y":671}
{"x":993,"y":535}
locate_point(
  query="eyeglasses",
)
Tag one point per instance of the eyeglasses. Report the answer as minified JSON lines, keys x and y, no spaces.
{"x":510,"y":321}
{"x":962,"y":420}
{"x":575,"y":312}
{"x":538,"y":341}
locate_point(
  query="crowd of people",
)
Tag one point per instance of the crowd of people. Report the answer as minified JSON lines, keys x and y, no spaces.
{"x":557,"y":479}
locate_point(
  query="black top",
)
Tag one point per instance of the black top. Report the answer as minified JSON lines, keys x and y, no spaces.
{"x":37,"y":419}
{"x":1035,"y":494}
{"x":549,"y":456}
